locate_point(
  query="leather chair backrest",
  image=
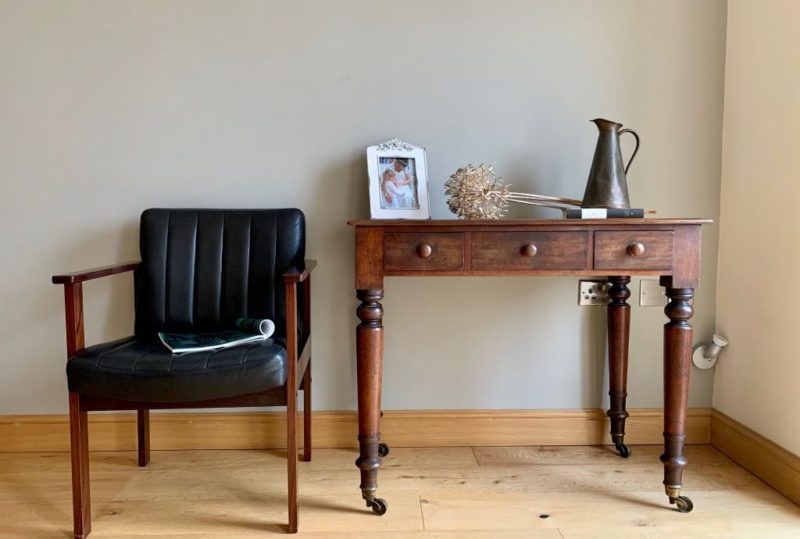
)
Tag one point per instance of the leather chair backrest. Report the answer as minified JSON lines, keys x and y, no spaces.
{"x":203,"y":269}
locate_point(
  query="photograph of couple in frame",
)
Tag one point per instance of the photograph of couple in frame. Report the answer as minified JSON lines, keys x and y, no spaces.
{"x":398,"y":181}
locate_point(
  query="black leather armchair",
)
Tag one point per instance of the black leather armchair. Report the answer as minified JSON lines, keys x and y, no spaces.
{"x":200,"y":271}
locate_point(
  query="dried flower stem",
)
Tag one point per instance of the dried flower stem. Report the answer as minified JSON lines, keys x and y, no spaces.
{"x":477,"y":193}
{"x":561,"y":200}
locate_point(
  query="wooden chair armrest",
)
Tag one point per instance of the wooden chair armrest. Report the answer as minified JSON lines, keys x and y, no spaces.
{"x":73,"y":299}
{"x":95,"y":273}
{"x":297,"y":275}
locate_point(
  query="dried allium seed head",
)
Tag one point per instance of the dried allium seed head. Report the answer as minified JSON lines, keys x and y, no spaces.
{"x":476,"y":193}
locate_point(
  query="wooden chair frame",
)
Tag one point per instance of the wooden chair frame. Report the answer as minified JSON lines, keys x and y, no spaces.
{"x":298,"y":348}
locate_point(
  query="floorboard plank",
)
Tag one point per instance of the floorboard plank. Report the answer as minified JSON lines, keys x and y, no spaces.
{"x":744,"y":513}
{"x":583,"y":455}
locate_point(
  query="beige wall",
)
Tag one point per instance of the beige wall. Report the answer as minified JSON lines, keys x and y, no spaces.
{"x":111,"y":107}
{"x":758,"y":300}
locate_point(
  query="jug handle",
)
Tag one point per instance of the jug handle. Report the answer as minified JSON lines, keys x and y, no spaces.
{"x":636,"y":149}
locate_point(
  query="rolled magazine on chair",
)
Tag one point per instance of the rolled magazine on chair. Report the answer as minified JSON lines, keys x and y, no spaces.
{"x":248,"y":330}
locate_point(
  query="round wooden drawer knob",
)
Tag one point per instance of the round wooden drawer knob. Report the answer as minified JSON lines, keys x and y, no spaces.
{"x":424,"y":250}
{"x":636,"y":249}
{"x":528,"y":250}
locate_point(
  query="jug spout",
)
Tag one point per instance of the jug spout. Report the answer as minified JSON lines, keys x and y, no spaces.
{"x":606,"y":125}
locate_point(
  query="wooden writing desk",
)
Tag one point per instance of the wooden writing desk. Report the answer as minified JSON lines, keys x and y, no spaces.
{"x":612,"y":248}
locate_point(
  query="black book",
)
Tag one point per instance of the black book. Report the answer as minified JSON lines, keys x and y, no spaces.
{"x":604,"y":213}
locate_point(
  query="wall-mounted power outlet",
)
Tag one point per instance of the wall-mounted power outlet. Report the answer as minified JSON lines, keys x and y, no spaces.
{"x":651,"y":293}
{"x":593,"y":292}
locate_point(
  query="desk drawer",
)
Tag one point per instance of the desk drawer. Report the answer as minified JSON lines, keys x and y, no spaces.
{"x":422,"y":251}
{"x":647,"y":250}
{"x":529,"y":250}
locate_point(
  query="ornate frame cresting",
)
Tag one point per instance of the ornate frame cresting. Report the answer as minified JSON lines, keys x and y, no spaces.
{"x":397,"y":148}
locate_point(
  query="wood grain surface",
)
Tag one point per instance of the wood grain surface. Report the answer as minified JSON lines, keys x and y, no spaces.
{"x":435,"y":493}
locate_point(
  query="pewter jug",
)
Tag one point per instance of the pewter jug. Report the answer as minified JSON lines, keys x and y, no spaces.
{"x":607,"y":186}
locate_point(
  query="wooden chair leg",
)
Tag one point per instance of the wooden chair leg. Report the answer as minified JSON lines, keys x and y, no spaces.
{"x":143,"y":423}
{"x":291,"y":450}
{"x":307,"y":413}
{"x":79,"y":448}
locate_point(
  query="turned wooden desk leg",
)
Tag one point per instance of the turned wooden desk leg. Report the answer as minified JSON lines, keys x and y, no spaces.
{"x":369,"y":358}
{"x":619,"y":323}
{"x":677,"y":364}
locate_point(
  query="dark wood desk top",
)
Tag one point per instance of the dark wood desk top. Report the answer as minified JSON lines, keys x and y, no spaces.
{"x":433,"y":223}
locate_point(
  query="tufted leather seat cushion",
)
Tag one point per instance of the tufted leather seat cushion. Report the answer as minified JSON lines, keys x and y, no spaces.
{"x":200,"y":271}
{"x":139,"y":370}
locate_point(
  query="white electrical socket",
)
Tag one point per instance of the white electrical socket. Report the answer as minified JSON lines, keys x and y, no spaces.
{"x":593,"y":292}
{"x":651,"y":293}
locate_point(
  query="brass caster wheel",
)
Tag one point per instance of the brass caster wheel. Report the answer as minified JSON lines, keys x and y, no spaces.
{"x":682,"y":503}
{"x":378,"y":505}
{"x":383,"y":450}
{"x":623,"y":450}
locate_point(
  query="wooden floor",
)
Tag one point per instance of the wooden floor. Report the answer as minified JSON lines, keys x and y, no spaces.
{"x":559,"y":492}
